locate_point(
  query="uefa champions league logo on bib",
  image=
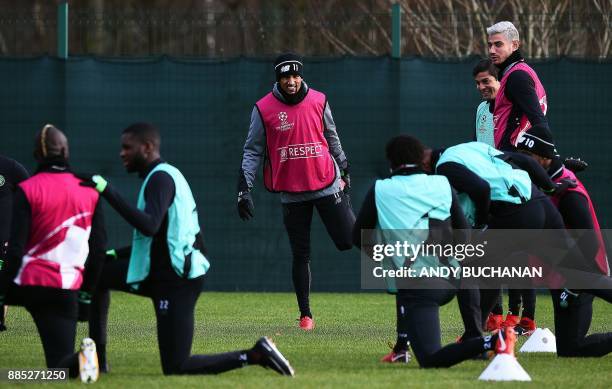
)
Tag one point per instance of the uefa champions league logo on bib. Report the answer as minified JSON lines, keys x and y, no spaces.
{"x":2,"y":180}
{"x":284,"y":125}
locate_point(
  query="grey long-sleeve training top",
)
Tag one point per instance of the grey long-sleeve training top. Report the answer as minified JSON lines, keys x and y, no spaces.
{"x":255,"y":146}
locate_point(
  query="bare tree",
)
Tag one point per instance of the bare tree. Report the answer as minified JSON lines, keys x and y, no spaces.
{"x":228,"y":28}
{"x":603,"y":33}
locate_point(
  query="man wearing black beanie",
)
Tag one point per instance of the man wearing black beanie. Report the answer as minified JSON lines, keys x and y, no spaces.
{"x":292,"y":130}
{"x":573,"y":309}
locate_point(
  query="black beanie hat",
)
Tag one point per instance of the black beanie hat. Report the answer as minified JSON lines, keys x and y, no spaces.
{"x":539,"y":141}
{"x":287,"y":64}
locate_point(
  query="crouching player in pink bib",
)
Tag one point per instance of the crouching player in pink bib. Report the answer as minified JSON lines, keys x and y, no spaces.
{"x":573,"y":309}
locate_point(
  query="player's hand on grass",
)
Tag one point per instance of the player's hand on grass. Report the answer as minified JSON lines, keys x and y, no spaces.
{"x":93,"y":181}
{"x":245,"y":205}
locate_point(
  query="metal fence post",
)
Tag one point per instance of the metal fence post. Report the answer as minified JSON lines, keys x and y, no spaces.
{"x":62,"y":30}
{"x":396,"y":30}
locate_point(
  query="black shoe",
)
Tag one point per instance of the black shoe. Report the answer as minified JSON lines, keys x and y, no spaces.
{"x":271,"y":358}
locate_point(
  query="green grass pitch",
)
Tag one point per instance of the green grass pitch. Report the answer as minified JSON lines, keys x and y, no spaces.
{"x":343,"y":351}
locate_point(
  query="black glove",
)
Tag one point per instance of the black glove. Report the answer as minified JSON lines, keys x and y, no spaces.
{"x":576,"y":165}
{"x":562,"y":186}
{"x":245,"y":205}
{"x":84,"y":300}
{"x":346,"y":177}
{"x":245,"y":201}
{"x":93,"y":181}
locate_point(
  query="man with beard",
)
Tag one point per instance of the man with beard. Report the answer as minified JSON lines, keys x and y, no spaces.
{"x":412,"y":200}
{"x":485,"y":75}
{"x":165,"y":262}
{"x":521,"y":100}
{"x":293,"y":131}
{"x":496,"y":191}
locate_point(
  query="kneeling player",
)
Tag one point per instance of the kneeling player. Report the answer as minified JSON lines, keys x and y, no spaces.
{"x":410,"y":199}
{"x":573,"y":309}
{"x":165,"y":262}
{"x":57,"y":240}
{"x":497,"y":190}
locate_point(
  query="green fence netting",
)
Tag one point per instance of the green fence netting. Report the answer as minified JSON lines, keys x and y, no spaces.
{"x":203,"y":107}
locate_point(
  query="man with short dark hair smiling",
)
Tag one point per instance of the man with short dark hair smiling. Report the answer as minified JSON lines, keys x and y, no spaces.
{"x":293,"y":131}
{"x":165,"y":262}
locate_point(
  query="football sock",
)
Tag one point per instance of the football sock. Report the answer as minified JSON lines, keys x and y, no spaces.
{"x":215,"y":363}
{"x":301,"y":283}
{"x":402,"y":343}
{"x":101,"y":351}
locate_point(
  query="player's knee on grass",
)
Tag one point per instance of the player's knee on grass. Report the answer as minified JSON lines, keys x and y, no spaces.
{"x":171,"y":368}
{"x":568,"y":348}
{"x":428,"y":362}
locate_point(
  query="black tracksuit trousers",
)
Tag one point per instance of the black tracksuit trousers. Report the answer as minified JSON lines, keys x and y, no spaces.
{"x":174,"y":304}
